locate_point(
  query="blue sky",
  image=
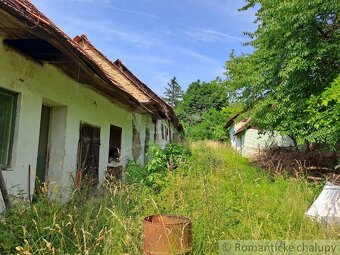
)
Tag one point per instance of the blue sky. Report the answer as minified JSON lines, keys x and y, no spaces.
{"x":158,"y":39}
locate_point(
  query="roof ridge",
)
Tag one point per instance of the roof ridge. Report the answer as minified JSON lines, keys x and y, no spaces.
{"x":156,"y":97}
{"x":83,"y":37}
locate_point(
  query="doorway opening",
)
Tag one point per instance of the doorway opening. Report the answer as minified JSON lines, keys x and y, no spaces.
{"x":88,"y":153}
{"x":115,"y":143}
{"x":42,"y":159}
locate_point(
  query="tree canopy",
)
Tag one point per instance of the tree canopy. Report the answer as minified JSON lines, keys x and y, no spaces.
{"x":173,"y":93}
{"x":290,"y":82}
{"x":205,"y":110}
{"x":199,"y":98}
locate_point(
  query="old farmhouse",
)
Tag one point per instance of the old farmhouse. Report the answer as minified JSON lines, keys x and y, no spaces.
{"x":249,"y":141}
{"x":67,"y":111}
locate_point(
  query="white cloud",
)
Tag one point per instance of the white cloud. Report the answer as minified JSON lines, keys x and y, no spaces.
{"x":195,"y":55}
{"x":107,"y":31}
{"x":209,"y":35}
{"x":146,"y":14}
{"x":218,"y":34}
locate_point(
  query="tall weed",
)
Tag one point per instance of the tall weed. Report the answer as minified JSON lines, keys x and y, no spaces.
{"x":224,"y":196}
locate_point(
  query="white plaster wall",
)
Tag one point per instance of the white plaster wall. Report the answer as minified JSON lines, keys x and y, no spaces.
{"x":251,"y":142}
{"x":232,"y":138}
{"x":142,"y":122}
{"x":162,"y":142}
{"x":72,"y":103}
{"x":240,"y":143}
{"x":254,"y":142}
{"x":175,"y":135}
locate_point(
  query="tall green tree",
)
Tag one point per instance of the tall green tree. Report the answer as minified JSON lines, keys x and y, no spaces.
{"x":199,"y":98}
{"x":173,"y":93}
{"x":205,"y":109}
{"x":212,"y":124}
{"x":325,"y":115}
{"x":296,"y":58}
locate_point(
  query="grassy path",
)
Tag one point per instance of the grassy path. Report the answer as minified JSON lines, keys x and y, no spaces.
{"x":224,"y":196}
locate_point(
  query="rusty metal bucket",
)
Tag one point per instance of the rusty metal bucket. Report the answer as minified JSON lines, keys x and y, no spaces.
{"x":167,"y":234}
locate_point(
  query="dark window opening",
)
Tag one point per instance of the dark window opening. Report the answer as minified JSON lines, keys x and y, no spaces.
{"x":88,"y":152}
{"x":166,"y":133}
{"x":147,"y":139}
{"x":8,"y":102}
{"x":155,"y":131}
{"x":162,"y":127}
{"x":115,"y":144}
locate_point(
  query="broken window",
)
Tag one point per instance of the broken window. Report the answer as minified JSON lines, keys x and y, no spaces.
{"x":88,"y":152}
{"x":7,"y":119}
{"x":115,"y":144}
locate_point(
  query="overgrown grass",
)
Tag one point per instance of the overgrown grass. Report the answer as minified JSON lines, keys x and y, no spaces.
{"x":224,"y":196}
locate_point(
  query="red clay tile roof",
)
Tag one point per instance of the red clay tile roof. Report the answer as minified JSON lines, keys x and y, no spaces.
{"x":111,"y":70}
{"x":167,"y":109}
{"x":126,"y":78}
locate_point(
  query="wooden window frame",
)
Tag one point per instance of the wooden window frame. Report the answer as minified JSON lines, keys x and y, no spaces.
{"x":6,"y":165}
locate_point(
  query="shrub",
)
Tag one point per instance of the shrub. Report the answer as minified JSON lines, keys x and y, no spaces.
{"x":154,"y":174}
{"x":176,"y":154}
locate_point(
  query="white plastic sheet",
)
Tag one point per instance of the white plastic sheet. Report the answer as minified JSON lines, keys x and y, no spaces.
{"x":326,"y":208}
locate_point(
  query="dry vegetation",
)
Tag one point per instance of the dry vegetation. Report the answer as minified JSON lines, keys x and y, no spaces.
{"x":313,"y":165}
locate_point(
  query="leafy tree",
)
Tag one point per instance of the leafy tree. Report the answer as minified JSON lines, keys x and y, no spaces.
{"x":325,"y":115}
{"x":173,"y":93}
{"x":295,"y":60}
{"x":199,"y":98}
{"x":212,"y":125}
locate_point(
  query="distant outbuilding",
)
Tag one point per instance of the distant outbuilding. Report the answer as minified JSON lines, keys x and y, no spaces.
{"x":248,"y":140}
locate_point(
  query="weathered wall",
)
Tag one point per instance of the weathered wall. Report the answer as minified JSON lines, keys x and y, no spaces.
{"x":71,"y":103}
{"x":254,"y":141}
{"x":161,"y":142}
{"x":251,"y":142}
{"x":232,"y":138}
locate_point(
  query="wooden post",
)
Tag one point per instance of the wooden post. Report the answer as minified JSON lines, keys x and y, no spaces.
{"x":4,"y":192}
